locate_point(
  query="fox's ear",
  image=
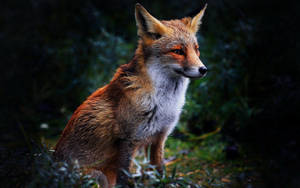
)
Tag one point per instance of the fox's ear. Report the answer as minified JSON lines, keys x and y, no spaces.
{"x":148,"y":26}
{"x":196,"y":21}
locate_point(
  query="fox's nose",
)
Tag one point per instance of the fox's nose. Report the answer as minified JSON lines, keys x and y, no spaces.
{"x":203,"y":70}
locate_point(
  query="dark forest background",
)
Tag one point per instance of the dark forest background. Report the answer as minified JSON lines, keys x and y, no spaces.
{"x":55,"y":53}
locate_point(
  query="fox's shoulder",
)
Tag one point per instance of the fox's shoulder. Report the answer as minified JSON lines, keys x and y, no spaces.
{"x":133,"y":77}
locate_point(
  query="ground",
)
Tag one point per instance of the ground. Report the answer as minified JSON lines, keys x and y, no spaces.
{"x":198,"y":162}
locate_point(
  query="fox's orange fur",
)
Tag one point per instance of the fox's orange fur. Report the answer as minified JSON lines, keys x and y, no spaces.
{"x":140,"y":106}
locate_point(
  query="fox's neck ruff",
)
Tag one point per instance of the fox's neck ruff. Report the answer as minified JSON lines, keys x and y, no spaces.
{"x":166,"y":101}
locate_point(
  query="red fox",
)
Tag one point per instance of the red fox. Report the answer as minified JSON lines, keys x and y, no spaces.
{"x":142,"y":103}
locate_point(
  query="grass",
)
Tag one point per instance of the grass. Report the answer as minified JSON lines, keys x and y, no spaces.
{"x":205,"y":163}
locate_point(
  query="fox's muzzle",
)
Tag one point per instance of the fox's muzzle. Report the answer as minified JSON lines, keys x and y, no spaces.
{"x":192,"y":72}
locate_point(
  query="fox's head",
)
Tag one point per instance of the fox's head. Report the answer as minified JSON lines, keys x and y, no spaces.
{"x":170,"y":45}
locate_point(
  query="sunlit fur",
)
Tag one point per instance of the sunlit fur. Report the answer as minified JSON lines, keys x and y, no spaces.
{"x":139,"y":107}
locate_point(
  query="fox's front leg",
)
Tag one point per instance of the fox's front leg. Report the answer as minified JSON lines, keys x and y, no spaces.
{"x":126,"y":152}
{"x":157,"y":152}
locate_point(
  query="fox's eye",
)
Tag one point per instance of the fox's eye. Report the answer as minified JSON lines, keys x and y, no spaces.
{"x":178,"y":51}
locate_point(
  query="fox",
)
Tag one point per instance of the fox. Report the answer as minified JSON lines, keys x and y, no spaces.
{"x":140,"y":106}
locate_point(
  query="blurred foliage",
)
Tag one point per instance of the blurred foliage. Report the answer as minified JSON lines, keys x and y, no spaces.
{"x":55,"y":53}
{"x":49,"y":173}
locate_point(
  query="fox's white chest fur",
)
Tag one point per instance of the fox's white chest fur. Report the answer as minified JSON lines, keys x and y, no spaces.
{"x":166,"y":103}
